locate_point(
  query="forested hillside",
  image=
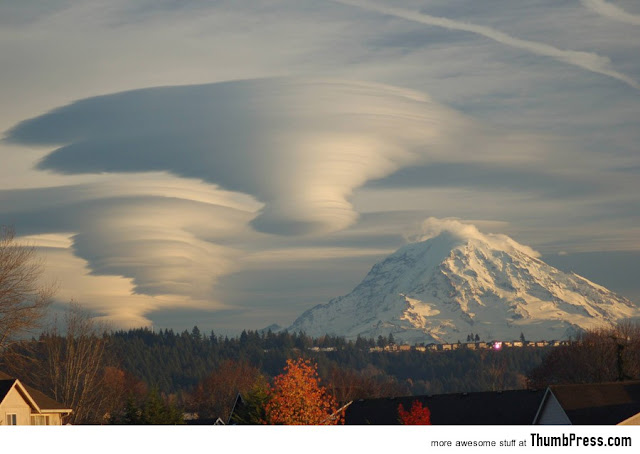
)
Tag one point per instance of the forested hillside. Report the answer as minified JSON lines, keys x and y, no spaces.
{"x":145,"y":377}
{"x":175,"y":362}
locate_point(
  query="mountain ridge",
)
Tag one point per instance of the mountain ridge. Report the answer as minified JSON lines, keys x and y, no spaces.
{"x":456,"y":280}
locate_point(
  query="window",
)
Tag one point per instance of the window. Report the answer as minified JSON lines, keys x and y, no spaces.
{"x":12,"y":419}
{"x":39,"y":420}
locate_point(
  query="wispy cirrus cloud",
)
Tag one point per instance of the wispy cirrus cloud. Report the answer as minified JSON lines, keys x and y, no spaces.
{"x":611,"y":11}
{"x":586,"y":60}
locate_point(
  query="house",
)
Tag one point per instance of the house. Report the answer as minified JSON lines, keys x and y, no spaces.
{"x":205,"y":422}
{"x":592,"y":404}
{"x":23,"y":405}
{"x":477,"y":408}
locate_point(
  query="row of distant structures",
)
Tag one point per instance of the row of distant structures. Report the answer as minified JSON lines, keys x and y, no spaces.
{"x":492,"y":345}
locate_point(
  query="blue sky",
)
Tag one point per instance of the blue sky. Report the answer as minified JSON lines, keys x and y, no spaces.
{"x":231,"y":164}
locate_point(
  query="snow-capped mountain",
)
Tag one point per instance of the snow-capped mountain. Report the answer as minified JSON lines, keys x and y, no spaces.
{"x":459,"y":281}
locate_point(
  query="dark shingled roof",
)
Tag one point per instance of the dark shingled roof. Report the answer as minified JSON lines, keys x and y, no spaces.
{"x":517,"y":407}
{"x":599,"y":403}
{"x":43,"y":401}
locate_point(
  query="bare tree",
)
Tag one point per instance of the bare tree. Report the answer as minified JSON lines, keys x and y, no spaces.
{"x":349,"y":384}
{"x":24,"y":299}
{"x":495,"y":369}
{"x":598,"y":355}
{"x":214,"y":396}
{"x":71,"y":364}
{"x":75,"y":362}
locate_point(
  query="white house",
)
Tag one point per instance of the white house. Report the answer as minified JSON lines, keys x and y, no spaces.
{"x":23,"y":405}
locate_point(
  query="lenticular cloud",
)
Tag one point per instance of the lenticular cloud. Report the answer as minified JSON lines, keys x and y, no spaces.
{"x":301,"y":147}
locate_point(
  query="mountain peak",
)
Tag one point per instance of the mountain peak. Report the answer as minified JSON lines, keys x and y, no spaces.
{"x":454,"y":280}
{"x":455,"y":231}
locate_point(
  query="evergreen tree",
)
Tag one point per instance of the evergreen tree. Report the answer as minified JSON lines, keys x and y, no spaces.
{"x":156,"y":411}
{"x":251,"y":410}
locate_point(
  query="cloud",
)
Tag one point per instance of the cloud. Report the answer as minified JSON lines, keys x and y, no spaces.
{"x":432,"y":227}
{"x":611,"y":11}
{"x":129,"y":160}
{"x":299,"y":146}
{"x":549,"y":182}
{"x":289,"y":152}
{"x":586,"y":60}
{"x":154,"y":240}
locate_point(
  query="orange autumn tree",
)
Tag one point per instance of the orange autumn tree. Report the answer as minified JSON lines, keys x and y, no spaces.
{"x":296,"y":397}
{"x":418,"y":415}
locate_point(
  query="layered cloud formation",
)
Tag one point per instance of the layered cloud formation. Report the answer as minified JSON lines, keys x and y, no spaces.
{"x":291,"y":152}
{"x":225,"y":156}
{"x":199,"y":175}
{"x":299,"y":146}
{"x":171,"y":243}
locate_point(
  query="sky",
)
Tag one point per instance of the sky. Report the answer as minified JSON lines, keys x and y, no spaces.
{"x":230,"y":164}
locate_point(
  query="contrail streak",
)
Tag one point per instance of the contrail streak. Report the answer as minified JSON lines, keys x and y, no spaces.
{"x":611,"y":11}
{"x":586,"y":60}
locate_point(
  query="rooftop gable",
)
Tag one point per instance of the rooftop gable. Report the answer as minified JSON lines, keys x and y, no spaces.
{"x":599,"y":403}
{"x":38,"y":400}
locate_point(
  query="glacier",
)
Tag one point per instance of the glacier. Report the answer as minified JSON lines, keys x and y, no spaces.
{"x":459,"y":281}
